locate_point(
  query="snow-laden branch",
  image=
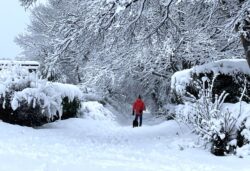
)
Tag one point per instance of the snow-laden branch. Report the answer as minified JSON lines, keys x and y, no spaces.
{"x":27,"y":3}
{"x":139,"y":14}
{"x":166,"y":16}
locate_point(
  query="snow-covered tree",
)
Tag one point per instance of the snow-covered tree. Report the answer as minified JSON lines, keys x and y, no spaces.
{"x":243,"y":27}
{"x":116,"y":45}
{"x":57,"y":37}
{"x":27,"y":3}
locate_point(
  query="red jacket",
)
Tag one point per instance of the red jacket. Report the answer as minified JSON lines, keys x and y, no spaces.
{"x":138,"y":106}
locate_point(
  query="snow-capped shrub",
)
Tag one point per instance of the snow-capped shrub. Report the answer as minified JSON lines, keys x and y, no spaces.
{"x":26,"y":114}
{"x":244,"y":138}
{"x":229,"y":76}
{"x":27,"y":100}
{"x":214,"y":121}
{"x":70,"y":107}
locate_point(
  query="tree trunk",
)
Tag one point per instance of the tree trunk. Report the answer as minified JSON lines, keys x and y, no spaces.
{"x":246,"y":45}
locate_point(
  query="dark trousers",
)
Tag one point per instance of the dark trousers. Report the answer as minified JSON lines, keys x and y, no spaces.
{"x":140,"y":117}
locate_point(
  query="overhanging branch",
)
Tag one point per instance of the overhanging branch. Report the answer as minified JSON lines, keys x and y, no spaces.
{"x":166,"y":16}
{"x":159,"y":75}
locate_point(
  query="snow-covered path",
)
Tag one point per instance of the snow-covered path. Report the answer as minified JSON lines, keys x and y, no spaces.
{"x":99,"y":145}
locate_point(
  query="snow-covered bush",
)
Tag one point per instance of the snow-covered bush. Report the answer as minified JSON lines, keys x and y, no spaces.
{"x":209,"y":121}
{"x":243,"y":28}
{"x":229,"y":76}
{"x":27,"y":100}
{"x":244,"y":138}
{"x":241,"y":111}
{"x":70,"y":107}
{"x":215,"y":121}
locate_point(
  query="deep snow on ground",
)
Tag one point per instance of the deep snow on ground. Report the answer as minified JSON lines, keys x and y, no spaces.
{"x":85,"y":144}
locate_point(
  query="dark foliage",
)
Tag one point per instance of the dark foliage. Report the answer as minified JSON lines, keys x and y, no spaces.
{"x":241,"y":140}
{"x":27,"y":115}
{"x":219,"y":147}
{"x":70,"y":108}
{"x":233,"y":85}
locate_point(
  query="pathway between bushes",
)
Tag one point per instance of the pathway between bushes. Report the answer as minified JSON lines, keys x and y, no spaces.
{"x":102,"y":145}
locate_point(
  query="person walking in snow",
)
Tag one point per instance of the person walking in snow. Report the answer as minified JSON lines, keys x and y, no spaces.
{"x":138,"y":108}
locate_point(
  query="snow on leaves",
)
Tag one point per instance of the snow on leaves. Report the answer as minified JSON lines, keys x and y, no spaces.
{"x":26,"y":87}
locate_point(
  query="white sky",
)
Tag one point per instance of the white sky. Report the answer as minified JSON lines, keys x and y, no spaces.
{"x":13,"y":20}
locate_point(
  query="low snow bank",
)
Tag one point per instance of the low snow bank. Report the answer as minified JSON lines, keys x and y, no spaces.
{"x":96,"y":145}
{"x":96,"y":111}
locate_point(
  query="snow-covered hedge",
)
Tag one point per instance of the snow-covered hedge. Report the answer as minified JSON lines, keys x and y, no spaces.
{"x":228,"y":75}
{"x":225,"y":125}
{"x":220,"y":124}
{"x":27,"y":100}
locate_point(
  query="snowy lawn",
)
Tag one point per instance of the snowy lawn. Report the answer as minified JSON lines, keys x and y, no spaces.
{"x":97,"y":145}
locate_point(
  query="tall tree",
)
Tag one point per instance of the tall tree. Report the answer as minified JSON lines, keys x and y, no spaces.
{"x":127,"y":47}
{"x":243,"y":27}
